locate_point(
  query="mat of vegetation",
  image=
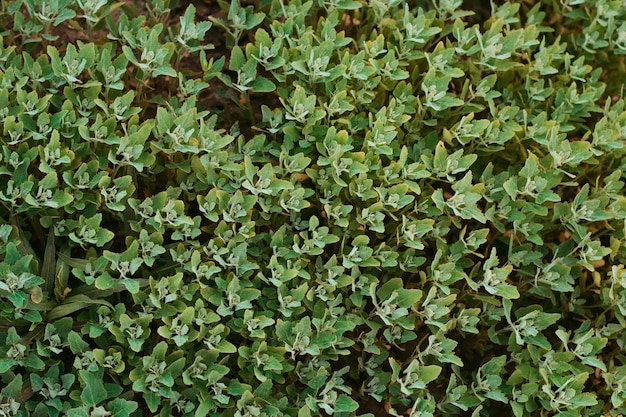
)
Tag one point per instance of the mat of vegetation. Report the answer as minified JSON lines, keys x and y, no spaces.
{"x":309,"y":208}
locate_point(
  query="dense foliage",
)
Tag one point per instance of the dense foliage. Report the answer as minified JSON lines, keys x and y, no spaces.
{"x":303,"y":208}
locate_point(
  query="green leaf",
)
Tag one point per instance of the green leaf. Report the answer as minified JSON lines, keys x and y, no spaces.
{"x":13,"y":388}
{"x":78,"y":412}
{"x":305,"y":411}
{"x":152,"y":400}
{"x":429,"y":373}
{"x":584,"y":400}
{"x":132,"y":285}
{"x":76,"y":342}
{"x":72,"y":304}
{"x":49,"y":263}
{"x":62,"y":276}
{"x":349,"y":5}
{"x":408,"y":298}
{"x":121,"y":407}
{"x":105,"y":282}
{"x":385,"y":291}
{"x":93,"y":392}
{"x":237,"y":59}
{"x":22,"y":249}
{"x":263,"y":85}
{"x":345,"y":404}
{"x":254,"y":20}
{"x":165,"y":70}
{"x":507,"y":291}
{"x":538,"y":340}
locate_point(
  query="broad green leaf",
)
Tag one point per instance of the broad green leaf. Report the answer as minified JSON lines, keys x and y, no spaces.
{"x":120,"y":407}
{"x":76,"y":342}
{"x":93,"y":392}
{"x":237,"y":59}
{"x":429,"y":373}
{"x":345,"y":404}
{"x":263,"y":85}
{"x":78,"y":412}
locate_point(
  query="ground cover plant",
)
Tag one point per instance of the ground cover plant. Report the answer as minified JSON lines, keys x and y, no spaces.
{"x":309,"y":208}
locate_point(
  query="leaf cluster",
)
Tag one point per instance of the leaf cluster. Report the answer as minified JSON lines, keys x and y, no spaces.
{"x":401,"y":208}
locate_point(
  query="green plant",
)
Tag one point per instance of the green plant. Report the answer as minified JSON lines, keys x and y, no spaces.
{"x":299,"y":208}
